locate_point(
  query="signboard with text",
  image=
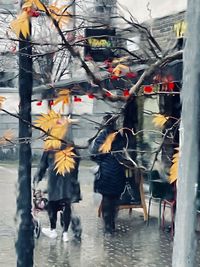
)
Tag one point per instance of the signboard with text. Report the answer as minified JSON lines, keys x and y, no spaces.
{"x":99,"y":44}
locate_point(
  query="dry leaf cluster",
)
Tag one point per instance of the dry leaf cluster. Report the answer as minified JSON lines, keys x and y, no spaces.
{"x":22,"y":23}
{"x":63,"y":97}
{"x":159,"y":120}
{"x":106,"y":146}
{"x":64,"y":160}
{"x":173,"y":174}
{"x":7,"y":137}
{"x":55,"y":126}
{"x":2,"y":99}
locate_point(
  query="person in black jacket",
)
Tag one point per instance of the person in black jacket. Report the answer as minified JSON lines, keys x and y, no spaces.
{"x":62,"y":191}
{"x":111,"y":180}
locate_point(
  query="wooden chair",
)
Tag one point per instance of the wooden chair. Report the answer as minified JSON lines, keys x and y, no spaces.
{"x":138,"y":175}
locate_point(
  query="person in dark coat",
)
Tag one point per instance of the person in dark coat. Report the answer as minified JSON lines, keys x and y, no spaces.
{"x":62,"y":191}
{"x":111,"y":180}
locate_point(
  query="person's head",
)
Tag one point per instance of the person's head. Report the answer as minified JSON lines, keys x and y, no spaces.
{"x":109,"y":121}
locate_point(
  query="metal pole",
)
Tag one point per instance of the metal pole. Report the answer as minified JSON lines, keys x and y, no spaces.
{"x":73,"y":26}
{"x":184,"y":249}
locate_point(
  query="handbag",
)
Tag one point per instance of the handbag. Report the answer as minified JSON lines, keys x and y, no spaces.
{"x":131,"y":193}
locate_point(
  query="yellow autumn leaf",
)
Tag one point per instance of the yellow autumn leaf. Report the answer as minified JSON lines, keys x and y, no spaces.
{"x":21,"y":25}
{"x":106,"y":146}
{"x":47,"y":121}
{"x":34,"y":3}
{"x":119,"y":60}
{"x":173,"y":173}
{"x":159,"y":120}
{"x":8,"y":136}
{"x":39,"y":5}
{"x":52,"y":143}
{"x":64,"y":160}
{"x":2,"y":99}
{"x":27,"y":4}
{"x":63,"y":96}
{"x":117,"y":70}
{"x":57,"y":132}
{"x":60,"y":14}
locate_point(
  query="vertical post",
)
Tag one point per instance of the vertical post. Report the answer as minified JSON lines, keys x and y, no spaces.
{"x":184,"y":249}
{"x":73,"y":27}
{"x":25,"y":241}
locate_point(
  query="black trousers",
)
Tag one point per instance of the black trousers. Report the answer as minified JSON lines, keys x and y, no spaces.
{"x":54,"y":207}
{"x":109,"y":208}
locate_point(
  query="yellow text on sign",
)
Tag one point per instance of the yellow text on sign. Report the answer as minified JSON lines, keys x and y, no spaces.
{"x":99,"y":42}
{"x":180,"y":28}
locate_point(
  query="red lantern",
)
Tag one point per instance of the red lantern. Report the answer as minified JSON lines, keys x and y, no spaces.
{"x":107,"y":62}
{"x":171,"y":86}
{"x":114,"y":77}
{"x":131,"y":75}
{"x":51,"y":103}
{"x":33,"y":13}
{"x":108,"y":94}
{"x":126,"y":92}
{"x":91,"y":96}
{"x":39,"y":103}
{"x":148,"y":89}
{"x":110,"y":69}
{"x":77,"y":99}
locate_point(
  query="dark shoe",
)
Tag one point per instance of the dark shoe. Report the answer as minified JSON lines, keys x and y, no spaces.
{"x":108,"y":230}
{"x":76,"y":227}
{"x":113,"y":226}
{"x":108,"y":235}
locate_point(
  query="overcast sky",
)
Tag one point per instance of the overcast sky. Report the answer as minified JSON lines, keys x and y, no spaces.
{"x":138,"y":8}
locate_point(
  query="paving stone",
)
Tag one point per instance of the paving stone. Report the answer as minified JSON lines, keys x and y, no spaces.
{"x":133,"y":244}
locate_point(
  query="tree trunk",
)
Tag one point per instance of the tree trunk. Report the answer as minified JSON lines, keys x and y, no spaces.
{"x":25,"y":241}
{"x":185,"y":240}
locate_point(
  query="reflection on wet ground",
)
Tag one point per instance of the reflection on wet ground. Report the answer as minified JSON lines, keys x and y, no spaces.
{"x":133,"y":244}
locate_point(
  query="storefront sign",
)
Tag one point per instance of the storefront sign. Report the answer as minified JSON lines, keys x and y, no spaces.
{"x":180,"y":29}
{"x":99,"y":44}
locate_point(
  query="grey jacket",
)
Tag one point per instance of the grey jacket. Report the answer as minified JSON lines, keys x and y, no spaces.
{"x":59,"y":186}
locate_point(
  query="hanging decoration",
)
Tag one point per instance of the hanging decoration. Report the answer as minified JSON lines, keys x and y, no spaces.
{"x":51,"y":102}
{"x":108,"y":94}
{"x":148,"y":89}
{"x":131,"y":75}
{"x":114,"y":77}
{"x":91,"y":96}
{"x":39,"y":103}
{"x":77,"y":99}
{"x":126,"y":92}
{"x":32,"y":12}
{"x":171,"y":86}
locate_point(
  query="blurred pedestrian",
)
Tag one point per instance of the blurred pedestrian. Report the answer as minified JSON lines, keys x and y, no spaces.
{"x":63,"y":190}
{"x":110,"y":180}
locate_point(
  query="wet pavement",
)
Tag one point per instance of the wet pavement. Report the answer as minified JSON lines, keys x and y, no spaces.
{"x":133,"y":244}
